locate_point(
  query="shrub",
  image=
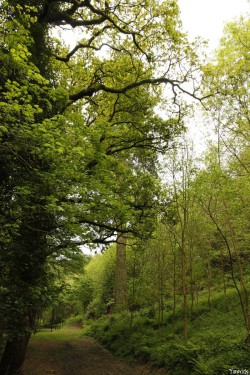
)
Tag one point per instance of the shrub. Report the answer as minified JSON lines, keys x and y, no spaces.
{"x":76,"y":321}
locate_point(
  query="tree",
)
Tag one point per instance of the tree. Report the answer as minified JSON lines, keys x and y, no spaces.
{"x":56,"y":162}
{"x":181,"y":171}
{"x":95,"y":288}
{"x":27,"y":204}
{"x":228,"y":75}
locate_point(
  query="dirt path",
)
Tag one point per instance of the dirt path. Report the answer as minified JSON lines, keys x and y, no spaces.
{"x":64,"y":352}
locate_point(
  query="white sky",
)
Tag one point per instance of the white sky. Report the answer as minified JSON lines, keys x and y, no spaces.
{"x":207,"y":18}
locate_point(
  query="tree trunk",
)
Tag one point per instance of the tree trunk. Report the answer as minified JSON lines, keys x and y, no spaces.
{"x":174,"y":288}
{"x":234,"y":278}
{"x":184,"y":274}
{"x":121,"y":286}
{"x":192,"y":281}
{"x":244,"y":290}
{"x":208,"y":276}
{"x":133,"y":292}
{"x":14,"y":355}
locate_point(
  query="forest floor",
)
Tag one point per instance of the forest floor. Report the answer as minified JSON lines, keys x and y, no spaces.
{"x":66,"y":352}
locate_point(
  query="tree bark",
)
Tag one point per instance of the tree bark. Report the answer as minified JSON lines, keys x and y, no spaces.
{"x":208,"y":277}
{"x":174,"y":288}
{"x":184,"y":274}
{"x":121,"y":286}
{"x":14,"y":355}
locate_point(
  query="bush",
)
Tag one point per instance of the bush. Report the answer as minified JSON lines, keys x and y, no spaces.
{"x":76,"y":321}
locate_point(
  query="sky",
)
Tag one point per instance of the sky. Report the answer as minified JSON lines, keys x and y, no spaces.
{"x":207,"y":18}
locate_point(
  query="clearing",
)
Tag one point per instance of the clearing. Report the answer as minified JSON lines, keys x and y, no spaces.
{"x":66,"y":352}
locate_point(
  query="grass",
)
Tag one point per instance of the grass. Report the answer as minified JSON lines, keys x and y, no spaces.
{"x":67,"y":333}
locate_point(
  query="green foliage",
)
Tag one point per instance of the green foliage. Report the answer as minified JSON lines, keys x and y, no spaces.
{"x":60,"y":163}
{"x":213,"y":347}
{"x":95,"y":288}
{"x":74,"y":321}
{"x":80,"y":138}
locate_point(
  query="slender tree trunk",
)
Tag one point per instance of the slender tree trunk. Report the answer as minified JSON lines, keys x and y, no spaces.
{"x":160,"y":296}
{"x":52,"y":319}
{"x":121,"y":285}
{"x":192,"y":282}
{"x":133,"y":293}
{"x":241,"y":298}
{"x":184,"y":274}
{"x":184,"y":295}
{"x":162,"y":300}
{"x":244,"y":291}
{"x":208,"y":274}
{"x":224,"y":282}
{"x":174,"y":288}
{"x":160,"y":262}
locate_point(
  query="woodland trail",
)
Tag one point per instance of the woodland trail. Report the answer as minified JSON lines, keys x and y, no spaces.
{"x":65,"y":352}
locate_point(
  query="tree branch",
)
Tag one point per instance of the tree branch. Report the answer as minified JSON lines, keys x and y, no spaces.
{"x":112,"y":229}
{"x":88,"y":45}
{"x":91,"y":90}
{"x":63,"y":18}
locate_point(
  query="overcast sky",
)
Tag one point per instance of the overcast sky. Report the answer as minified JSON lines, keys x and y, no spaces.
{"x":205,"y":18}
{"x":208,"y":17}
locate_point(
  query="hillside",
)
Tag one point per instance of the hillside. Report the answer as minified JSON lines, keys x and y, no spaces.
{"x":215,"y":344}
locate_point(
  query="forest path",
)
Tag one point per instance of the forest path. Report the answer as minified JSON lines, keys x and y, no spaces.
{"x":65,"y":352}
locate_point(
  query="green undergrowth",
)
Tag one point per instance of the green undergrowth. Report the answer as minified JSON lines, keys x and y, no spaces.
{"x":74,"y":321}
{"x":61,"y":334}
{"x":215,"y":344}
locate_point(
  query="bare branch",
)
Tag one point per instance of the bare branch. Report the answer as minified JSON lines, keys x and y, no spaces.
{"x":91,"y":90}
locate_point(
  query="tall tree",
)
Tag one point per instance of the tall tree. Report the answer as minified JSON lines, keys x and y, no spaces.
{"x":228,"y":76}
{"x":181,"y":170}
{"x":57,"y":163}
